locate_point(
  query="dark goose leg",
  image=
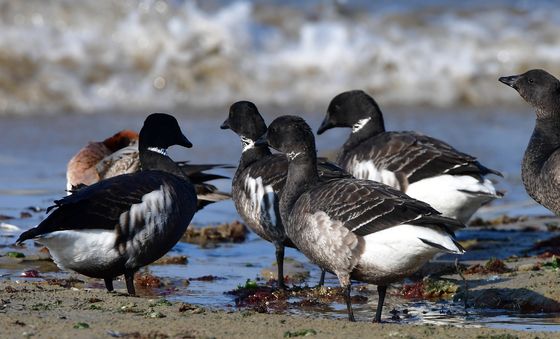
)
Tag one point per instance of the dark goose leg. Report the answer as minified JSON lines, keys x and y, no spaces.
{"x":347,"y":286}
{"x":280,"y":264}
{"x":381,"y":290}
{"x":129,"y":278}
{"x":109,"y":284}
{"x":322,"y":279}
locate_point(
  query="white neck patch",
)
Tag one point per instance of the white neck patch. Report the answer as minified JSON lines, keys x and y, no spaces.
{"x":292,"y":155}
{"x":247,"y":143}
{"x":161,"y":151}
{"x":360,"y":124}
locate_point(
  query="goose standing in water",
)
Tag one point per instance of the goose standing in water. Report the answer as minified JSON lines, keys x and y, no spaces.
{"x":121,"y":224}
{"x":259,"y":178}
{"x":358,"y":229}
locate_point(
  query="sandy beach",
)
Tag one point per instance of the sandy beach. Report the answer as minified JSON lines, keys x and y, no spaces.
{"x":43,"y":310}
{"x":62,"y":306}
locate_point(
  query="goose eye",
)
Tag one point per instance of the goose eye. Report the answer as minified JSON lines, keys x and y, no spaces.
{"x":531,"y":81}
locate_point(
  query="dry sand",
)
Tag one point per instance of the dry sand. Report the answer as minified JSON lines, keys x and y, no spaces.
{"x":43,"y":310}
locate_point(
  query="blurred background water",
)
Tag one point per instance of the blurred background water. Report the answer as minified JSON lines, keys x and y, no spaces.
{"x":67,"y":56}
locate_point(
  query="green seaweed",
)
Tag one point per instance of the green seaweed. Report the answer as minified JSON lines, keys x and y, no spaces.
{"x":249,"y":284}
{"x":497,"y":336}
{"x":154,"y":314}
{"x":15,"y":255}
{"x":40,"y":307}
{"x":161,"y":302}
{"x":554,"y":263}
{"x":439,"y":288}
{"x":81,"y":325}
{"x":300,"y":333}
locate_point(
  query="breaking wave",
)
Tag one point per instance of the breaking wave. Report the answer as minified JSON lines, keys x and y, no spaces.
{"x":65,"y":56}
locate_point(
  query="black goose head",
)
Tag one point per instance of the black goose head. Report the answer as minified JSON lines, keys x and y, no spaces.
{"x":290,"y":135}
{"x":350,"y":109}
{"x":161,"y":131}
{"x":539,"y":88}
{"x":245,"y":120}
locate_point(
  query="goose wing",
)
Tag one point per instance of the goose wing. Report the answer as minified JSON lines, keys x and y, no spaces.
{"x":415,"y":156}
{"x":366,"y":207}
{"x":99,"y":206}
{"x":272,"y":170}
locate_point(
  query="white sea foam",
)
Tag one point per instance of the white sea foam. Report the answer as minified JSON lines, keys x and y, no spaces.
{"x":133,"y":54}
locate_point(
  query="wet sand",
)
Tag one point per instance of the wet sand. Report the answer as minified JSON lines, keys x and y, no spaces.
{"x":48,"y":311}
{"x":48,"y":302}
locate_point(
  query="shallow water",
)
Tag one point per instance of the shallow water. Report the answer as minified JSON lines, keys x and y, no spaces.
{"x":32,"y":173}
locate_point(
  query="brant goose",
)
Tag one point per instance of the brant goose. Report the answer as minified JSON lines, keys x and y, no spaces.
{"x":358,"y":229}
{"x":118,"y":225}
{"x":541,"y":162}
{"x":119,"y":155}
{"x":260,"y":177}
{"x":423,"y":167}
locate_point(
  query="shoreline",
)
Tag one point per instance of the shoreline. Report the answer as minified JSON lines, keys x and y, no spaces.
{"x":517,"y":287}
{"x":47,"y":311}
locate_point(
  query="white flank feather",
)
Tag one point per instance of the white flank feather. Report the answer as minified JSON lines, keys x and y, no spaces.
{"x":81,"y":248}
{"x":455,"y":196}
{"x":400,"y":250}
{"x":367,"y":170}
{"x":257,"y":192}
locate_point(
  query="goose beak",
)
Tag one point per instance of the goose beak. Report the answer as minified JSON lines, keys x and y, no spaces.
{"x":183,"y":141}
{"x":510,"y":80}
{"x":225,"y":124}
{"x":325,"y":125}
{"x":262,"y":141}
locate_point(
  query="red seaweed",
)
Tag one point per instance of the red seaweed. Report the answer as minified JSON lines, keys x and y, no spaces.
{"x":31,"y":274}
